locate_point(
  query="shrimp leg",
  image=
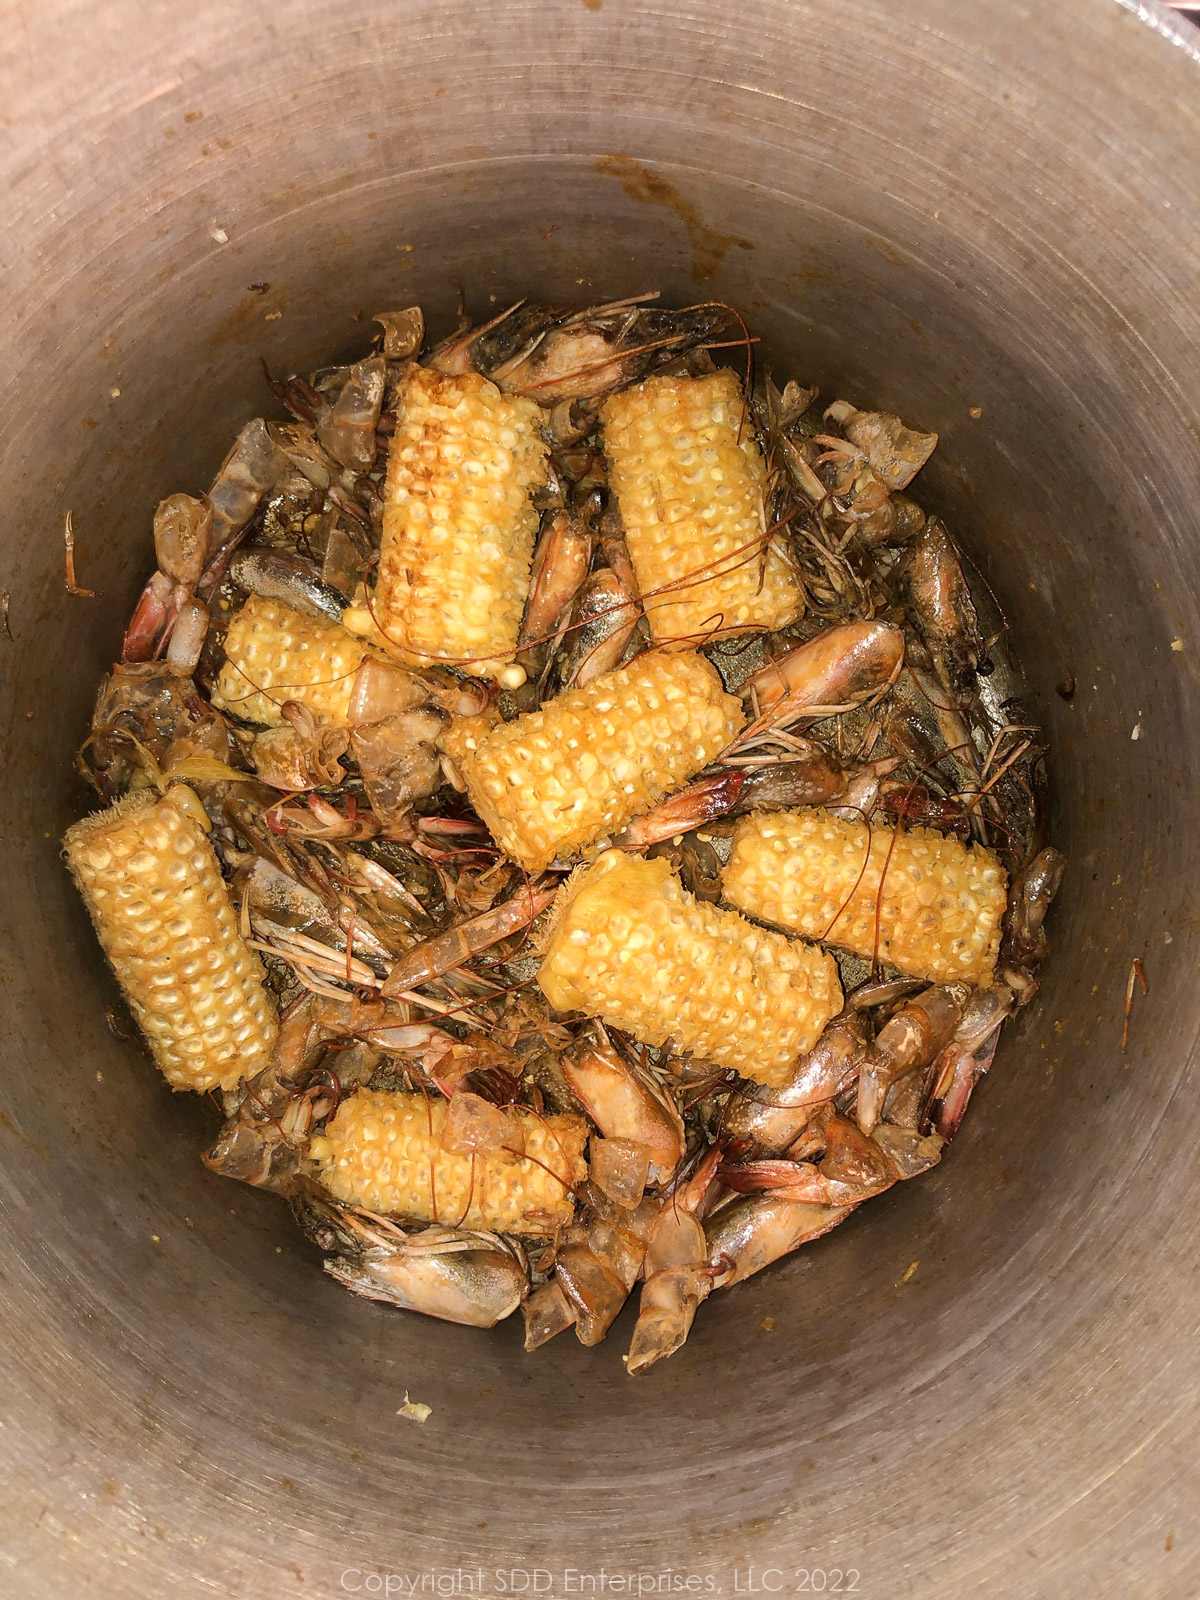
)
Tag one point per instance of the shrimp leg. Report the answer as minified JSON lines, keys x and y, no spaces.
{"x":965,"y":1059}
{"x":772,"y":1118}
{"x":677,"y":1275}
{"x":853,"y":1168}
{"x":916,"y":1034}
{"x":448,"y":950}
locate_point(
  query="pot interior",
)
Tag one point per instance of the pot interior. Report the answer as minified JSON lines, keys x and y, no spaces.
{"x":977,"y":219}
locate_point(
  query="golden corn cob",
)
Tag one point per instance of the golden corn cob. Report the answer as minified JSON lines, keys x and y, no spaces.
{"x":151,"y":882}
{"x":384,"y":1151}
{"x":630,"y":944}
{"x":274,"y":654}
{"x":938,"y":916}
{"x":689,"y":480}
{"x":458,"y":525}
{"x":555,"y":780}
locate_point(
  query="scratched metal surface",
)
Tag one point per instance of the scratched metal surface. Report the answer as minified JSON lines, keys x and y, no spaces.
{"x":928,"y":208}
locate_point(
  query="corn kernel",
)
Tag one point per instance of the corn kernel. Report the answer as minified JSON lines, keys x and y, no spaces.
{"x":151,"y":882}
{"x":630,"y":944}
{"x":274,"y":654}
{"x":937,"y":917}
{"x":689,"y":480}
{"x":384,"y":1151}
{"x":458,"y":525}
{"x":558,"y":779}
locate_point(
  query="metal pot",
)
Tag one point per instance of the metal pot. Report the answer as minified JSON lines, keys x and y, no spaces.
{"x":981,"y":216}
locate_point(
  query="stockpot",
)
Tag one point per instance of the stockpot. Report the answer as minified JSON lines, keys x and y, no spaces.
{"x":981,"y":216}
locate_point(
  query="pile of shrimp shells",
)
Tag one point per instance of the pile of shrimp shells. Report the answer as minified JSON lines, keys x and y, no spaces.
{"x":296,"y":517}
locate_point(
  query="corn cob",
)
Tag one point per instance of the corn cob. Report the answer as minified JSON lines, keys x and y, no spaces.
{"x":274,"y":654}
{"x":689,"y":480}
{"x":627,"y":942}
{"x":151,"y":882}
{"x":939,"y":913}
{"x":384,"y":1151}
{"x":558,"y":779}
{"x":458,"y":525}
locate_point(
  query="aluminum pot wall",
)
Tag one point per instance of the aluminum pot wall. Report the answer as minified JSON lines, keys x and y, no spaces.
{"x":981,"y":216}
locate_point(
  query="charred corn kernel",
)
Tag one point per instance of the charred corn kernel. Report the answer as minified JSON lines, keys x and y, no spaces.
{"x":384,"y":1151}
{"x":939,"y":913}
{"x":689,"y":480}
{"x":274,"y":654}
{"x":558,"y":779}
{"x":628,"y":943}
{"x":458,"y":525}
{"x":151,"y":882}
